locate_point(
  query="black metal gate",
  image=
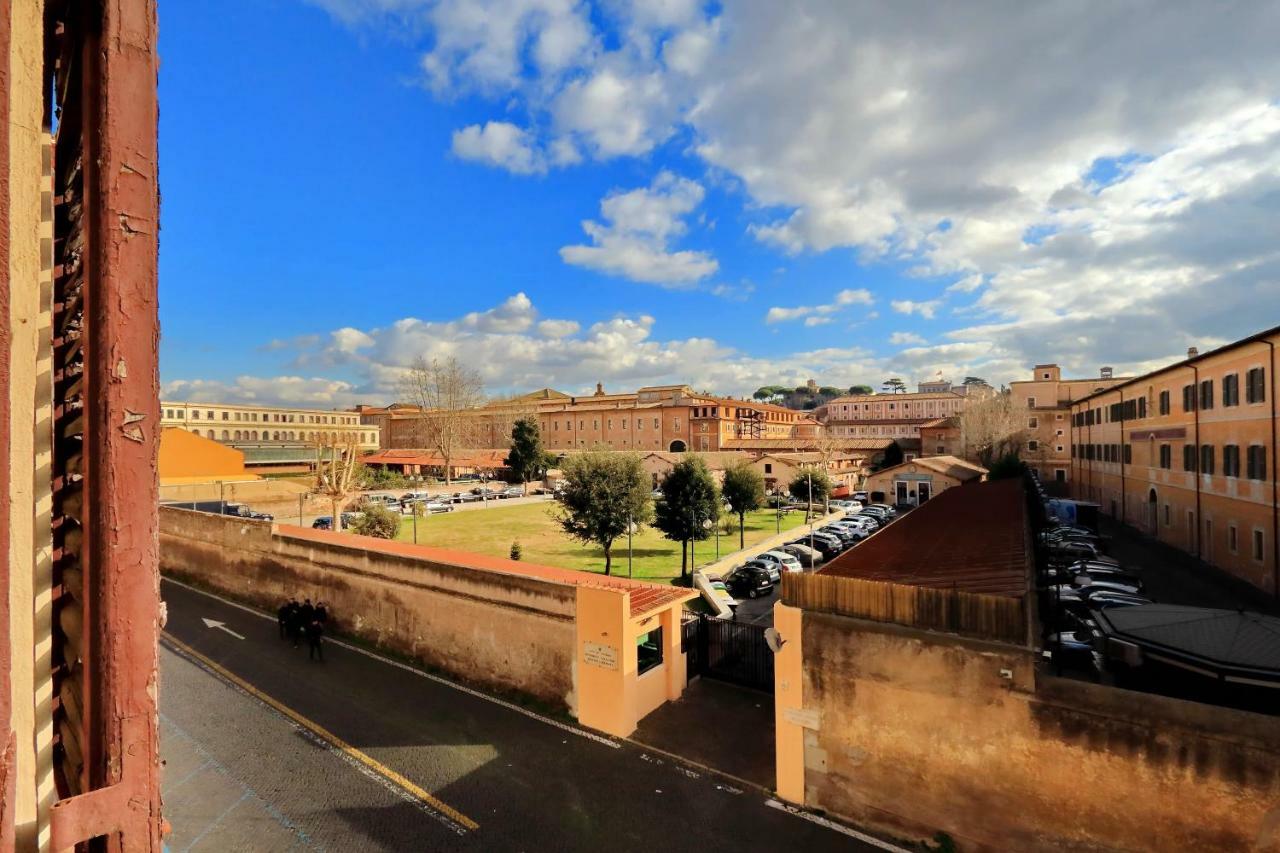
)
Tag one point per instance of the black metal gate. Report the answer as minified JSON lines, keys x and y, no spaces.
{"x":727,"y":650}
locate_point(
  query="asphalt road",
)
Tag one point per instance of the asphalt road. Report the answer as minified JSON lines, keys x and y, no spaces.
{"x":266,"y":750}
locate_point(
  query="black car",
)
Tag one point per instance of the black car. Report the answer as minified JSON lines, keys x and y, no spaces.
{"x":749,"y":581}
{"x":828,"y":546}
{"x":1079,"y":574}
{"x":1074,"y":649}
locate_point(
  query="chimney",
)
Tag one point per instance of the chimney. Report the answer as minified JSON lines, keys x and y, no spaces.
{"x":1106,"y":373}
{"x":1192,"y":352}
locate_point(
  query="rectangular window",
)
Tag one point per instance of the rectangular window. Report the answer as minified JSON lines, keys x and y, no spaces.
{"x":1231,"y":390}
{"x":1164,"y":402}
{"x":1188,"y":398}
{"x":1033,"y":445}
{"x":226,"y":416}
{"x":1189,"y":457}
{"x":657,"y":424}
{"x":1258,"y":547}
{"x":1206,"y":394}
{"x":1233,"y":536}
{"x":1257,"y":462}
{"x":768,"y":467}
{"x":1033,"y":423}
{"x":1206,"y":459}
{"x":1031,"y":402}
{"x":1231,"y":460}
{"x":1168,"y":516}
{"x":1166,"y":456}
{"x":1255,"y":385}
{"x":648,"y":651}
{"x":1142,"y":407}
{"x":1128,"y":454}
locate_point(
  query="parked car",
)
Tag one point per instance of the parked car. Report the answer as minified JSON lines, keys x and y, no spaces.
{"x":862,"y":497}
{"x":1092,"y":587}
{"x":749,"y":581}
{"x":1076,"y":649}
{"x":808,"y":557}
{"x":785,"y":561}
{"x":383,"y":499}
{"x":512,"y":492}
{"x":325,"y":522}
{"x":774,"y":569}
{"x":829,"y":544}
{"x":414,"y":497}
{"x":848,"y":538}
{"x":434,"y":507}
{"x":874,"y":522}
{"x":1072,"y":550}
{"x":1091,"y":568}
{"x":889,"y":509}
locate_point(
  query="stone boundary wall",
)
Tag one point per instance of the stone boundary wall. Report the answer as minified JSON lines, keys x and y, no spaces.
{"x":913,"y":732}
{"x":504,"y":631}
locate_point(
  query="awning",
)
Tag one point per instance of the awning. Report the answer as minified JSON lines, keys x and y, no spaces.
{"x":1230,"y":645}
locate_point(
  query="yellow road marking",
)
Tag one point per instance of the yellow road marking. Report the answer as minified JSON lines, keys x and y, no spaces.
{"x":323,"y":733}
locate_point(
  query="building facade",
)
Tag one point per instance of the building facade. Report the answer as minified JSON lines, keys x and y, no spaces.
{"x":1047,"y":397}
{"x":918,"y":481}
{"x":670,"y":418}
{"x":899,"y":416}
{"x":1187,"y":454}
{"x":236,"y":425}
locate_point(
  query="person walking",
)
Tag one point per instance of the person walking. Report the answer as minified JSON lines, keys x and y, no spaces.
{"x":282,"y":617}
{"x":322,"y":613}
{"x":296,"y":624}
{"x":315,"y":633}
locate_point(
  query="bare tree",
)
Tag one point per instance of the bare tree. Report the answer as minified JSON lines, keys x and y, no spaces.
{"x":991,"y":428}
{"x":337,"y":466}
{"x":450,"y":395}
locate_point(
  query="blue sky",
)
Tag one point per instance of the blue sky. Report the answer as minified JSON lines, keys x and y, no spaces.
{"x":348,"y":184}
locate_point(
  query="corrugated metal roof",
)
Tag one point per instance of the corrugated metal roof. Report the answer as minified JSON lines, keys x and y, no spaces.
{"x":972,"y":538}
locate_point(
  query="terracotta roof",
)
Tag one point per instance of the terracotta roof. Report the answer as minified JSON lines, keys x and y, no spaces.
{"x":645,"y":597}
{"x":463,"y":459}
{"x":971,"y":538}
{"x":912,"y":395}
{"x":950,"y":466}
{"x":804,"y":443}
{"x":949,"y":423}
{"x":911,"y":421}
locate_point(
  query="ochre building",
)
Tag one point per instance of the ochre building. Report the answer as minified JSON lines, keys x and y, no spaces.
{"x":1047,"y":397}
{"x":1187,"y":454}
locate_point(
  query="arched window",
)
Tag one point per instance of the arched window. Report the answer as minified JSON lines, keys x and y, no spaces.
{"x":209,"y":433}
{"x":255,"y":435}
{"x":226,"y":436}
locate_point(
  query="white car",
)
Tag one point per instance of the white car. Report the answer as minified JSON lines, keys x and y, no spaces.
{"x":437,"y":506}
{"x":785,"y":562}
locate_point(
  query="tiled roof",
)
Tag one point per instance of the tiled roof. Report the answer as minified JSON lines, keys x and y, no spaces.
{"x":948,"y":423}
{"x":970,"y":538}
{"x":801,"y":444}
{"x":429,"y":457}
{"x":645,"y":597}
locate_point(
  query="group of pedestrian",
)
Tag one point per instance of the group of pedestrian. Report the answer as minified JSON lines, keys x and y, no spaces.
{"x":303,"y":619}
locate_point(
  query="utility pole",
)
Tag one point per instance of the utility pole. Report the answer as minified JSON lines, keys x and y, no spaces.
{"x":414,"y":509}
{"x":300,"y":498}
{"x":631,"y":526}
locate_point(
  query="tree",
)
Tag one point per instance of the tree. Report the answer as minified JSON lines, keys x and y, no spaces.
{"x":527,"y":459}
{"x":810,"y":484}
{"x":449,"y":395}
{"x":894,"y":385}
{"x":603,"y":492}
{"x":377,"y":521}
{"x":690,"y":499}
{"x":743,"y":490}
{"x":992,"y":428}
{"x":974,"y":380}
{"x":1006,"y":467}
{"x":858,"y":390}
{"x":337,"y":470}
{"x":892,"y":456}
{"x":828,"y":391}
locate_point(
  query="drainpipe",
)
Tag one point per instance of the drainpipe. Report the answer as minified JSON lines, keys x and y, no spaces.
{"x":1123,"y":501}
{"x":1275,"y":496}
{"x":1195,"y":407}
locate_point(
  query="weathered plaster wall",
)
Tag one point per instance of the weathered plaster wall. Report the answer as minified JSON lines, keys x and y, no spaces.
{"x":504,"y":631}
{"x":912,"y":733}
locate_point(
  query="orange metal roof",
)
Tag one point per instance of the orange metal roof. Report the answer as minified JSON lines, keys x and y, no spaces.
{"x":645,"y":597}
{"x":971,"y":538}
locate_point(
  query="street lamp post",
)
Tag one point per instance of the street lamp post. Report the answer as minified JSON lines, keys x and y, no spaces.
{"x":413,"y":508}
{"x":300,"y":510}
{"x":631,"y":529}
{"x":809,"y":511}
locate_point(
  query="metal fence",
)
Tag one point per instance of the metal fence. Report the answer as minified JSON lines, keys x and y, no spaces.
{"x":727,"y":651}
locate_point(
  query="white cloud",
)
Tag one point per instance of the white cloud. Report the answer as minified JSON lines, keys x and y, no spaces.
{"x":926,"y":309}
{"x":624,"y":352}
{"x":819,"y":314}
{"x":1066,"y":168}
{"x":633,"y":242}
{"x":501,"y":144}
{"x":906,"y":338}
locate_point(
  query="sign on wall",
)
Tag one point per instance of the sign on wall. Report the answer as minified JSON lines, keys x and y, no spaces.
{"x":598,"y":654}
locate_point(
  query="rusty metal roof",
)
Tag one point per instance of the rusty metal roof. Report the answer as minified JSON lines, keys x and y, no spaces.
{"x":971,"y":538}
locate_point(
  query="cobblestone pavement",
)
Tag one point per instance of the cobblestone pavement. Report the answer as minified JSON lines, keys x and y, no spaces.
{"x":265,"y":750}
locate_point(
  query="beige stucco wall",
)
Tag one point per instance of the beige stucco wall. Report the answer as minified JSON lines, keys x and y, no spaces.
{"x":28,"y":284}
{"x":913,"y":732}
{"x":506,"y":632}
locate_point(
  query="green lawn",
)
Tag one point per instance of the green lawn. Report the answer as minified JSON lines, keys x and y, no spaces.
{"x":491,"y":532}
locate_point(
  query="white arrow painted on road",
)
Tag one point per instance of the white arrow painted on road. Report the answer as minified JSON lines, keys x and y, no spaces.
{"x":222,"y":626}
